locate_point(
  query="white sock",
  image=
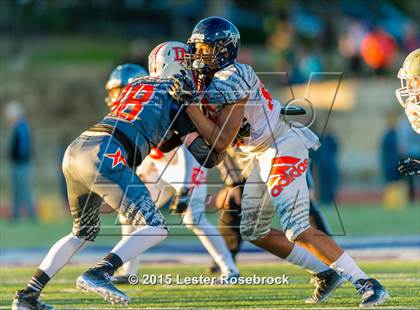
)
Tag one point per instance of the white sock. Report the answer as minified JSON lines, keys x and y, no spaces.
{"x":132,"y":266}
{"x":60,"y":253}
{"x":138,"y":242}
{"x":215,"y":244}
{"x":303,"y":258}
{"x":347,"y":267}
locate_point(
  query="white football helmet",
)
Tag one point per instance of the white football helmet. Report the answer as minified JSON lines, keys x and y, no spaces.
{"x":409,"y":93}
{"x":167,"y":59}
{"x":409,"y":74}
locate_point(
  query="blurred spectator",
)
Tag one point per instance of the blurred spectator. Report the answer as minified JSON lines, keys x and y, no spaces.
{"x":411,"y":39}
{"x":282,"y":36}
{"x":20,"y":158}
{"x":309,"y":62}
{"x":409,"y":146}
{"x":350,"y":41}
{"x":327,"y":169}
{"x":378,"y":49}
{"x":389,"y":152}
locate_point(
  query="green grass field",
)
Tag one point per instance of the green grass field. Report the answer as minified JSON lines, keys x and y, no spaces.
{"x":356,"y":220}
{"x":401,"y":278}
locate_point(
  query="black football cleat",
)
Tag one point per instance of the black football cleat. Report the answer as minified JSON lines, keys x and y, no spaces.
{"x":373,"y":293}
{"x":325,"y":283}
{"x":98,"y":281}
{"x":121,"y":279}
{"x":29,"y":301}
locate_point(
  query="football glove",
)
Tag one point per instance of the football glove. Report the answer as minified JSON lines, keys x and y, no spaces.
{"x":182,"y":89}
{"x":181,"y":202}
{"x":409,"y":166}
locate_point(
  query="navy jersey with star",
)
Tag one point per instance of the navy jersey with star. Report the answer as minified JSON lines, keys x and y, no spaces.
{"x":143,"y":109}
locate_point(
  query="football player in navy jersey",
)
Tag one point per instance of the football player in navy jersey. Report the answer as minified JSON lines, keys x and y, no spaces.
{"x":177,"y":172}
{"x":100,"y":166}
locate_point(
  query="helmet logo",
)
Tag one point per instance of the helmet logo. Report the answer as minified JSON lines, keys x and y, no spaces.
{"x":179,"y":53}
{"x":197,"y":36}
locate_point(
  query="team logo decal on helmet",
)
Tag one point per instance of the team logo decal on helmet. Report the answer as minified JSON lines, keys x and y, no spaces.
{"x":168,"y":59}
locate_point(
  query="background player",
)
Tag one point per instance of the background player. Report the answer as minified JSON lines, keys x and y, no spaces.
{"x":409,"y":97}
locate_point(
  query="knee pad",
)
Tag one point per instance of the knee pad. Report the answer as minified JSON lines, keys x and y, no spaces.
{"x":256,"y":221}
{"x":142,"y":211}
{"x":253,"y":234}
{"x":87,"y":231}
{"x":294,"y":218}
{"x":86,"y":222}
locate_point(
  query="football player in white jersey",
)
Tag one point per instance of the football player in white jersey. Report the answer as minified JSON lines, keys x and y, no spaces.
{"x":233,"y":93}
{"x":409,"y":97}
{"x":176,"y":173}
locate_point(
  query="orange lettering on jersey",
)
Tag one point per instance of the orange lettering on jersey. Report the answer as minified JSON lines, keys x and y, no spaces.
{"x":197,"y":176}
{"x":266,"y":94}
{"x":284,"y":171}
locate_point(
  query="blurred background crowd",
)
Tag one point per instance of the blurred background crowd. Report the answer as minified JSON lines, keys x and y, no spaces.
{"x":341,"y":55}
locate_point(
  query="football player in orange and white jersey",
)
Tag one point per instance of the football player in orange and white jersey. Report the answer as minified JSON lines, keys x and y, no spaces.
{"x":233,"y":92}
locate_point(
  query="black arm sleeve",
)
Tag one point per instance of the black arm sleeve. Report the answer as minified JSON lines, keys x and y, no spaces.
{"x":170,"y":144}
{"x":204,"y":154}
{"x":181,"y":122}
{"x":199,"y":148}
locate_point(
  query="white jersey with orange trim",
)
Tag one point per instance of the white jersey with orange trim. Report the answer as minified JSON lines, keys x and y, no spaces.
{"x":237,"y":82}
{"x":280,"y":151}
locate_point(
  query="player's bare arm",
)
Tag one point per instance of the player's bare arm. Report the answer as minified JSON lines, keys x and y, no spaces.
{"x":222,"y":131}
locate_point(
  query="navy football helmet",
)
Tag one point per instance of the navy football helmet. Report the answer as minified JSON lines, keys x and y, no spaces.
{"x":221,"y":36}
{"x":119,"y":78}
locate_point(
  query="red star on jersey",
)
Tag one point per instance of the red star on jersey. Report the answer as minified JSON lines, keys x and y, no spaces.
{"x":117,"y":158}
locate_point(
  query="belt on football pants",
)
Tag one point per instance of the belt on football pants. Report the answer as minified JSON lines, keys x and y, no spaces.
{"x":134,"y":157}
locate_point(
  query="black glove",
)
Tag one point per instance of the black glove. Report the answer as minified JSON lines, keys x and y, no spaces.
{"x":204,"y":153}
{"x":409,"y":166}
{"x":182,"y":89}
{"x":181,"y":122}
{"x":170,"y":144}
{"x":182,"y":200}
